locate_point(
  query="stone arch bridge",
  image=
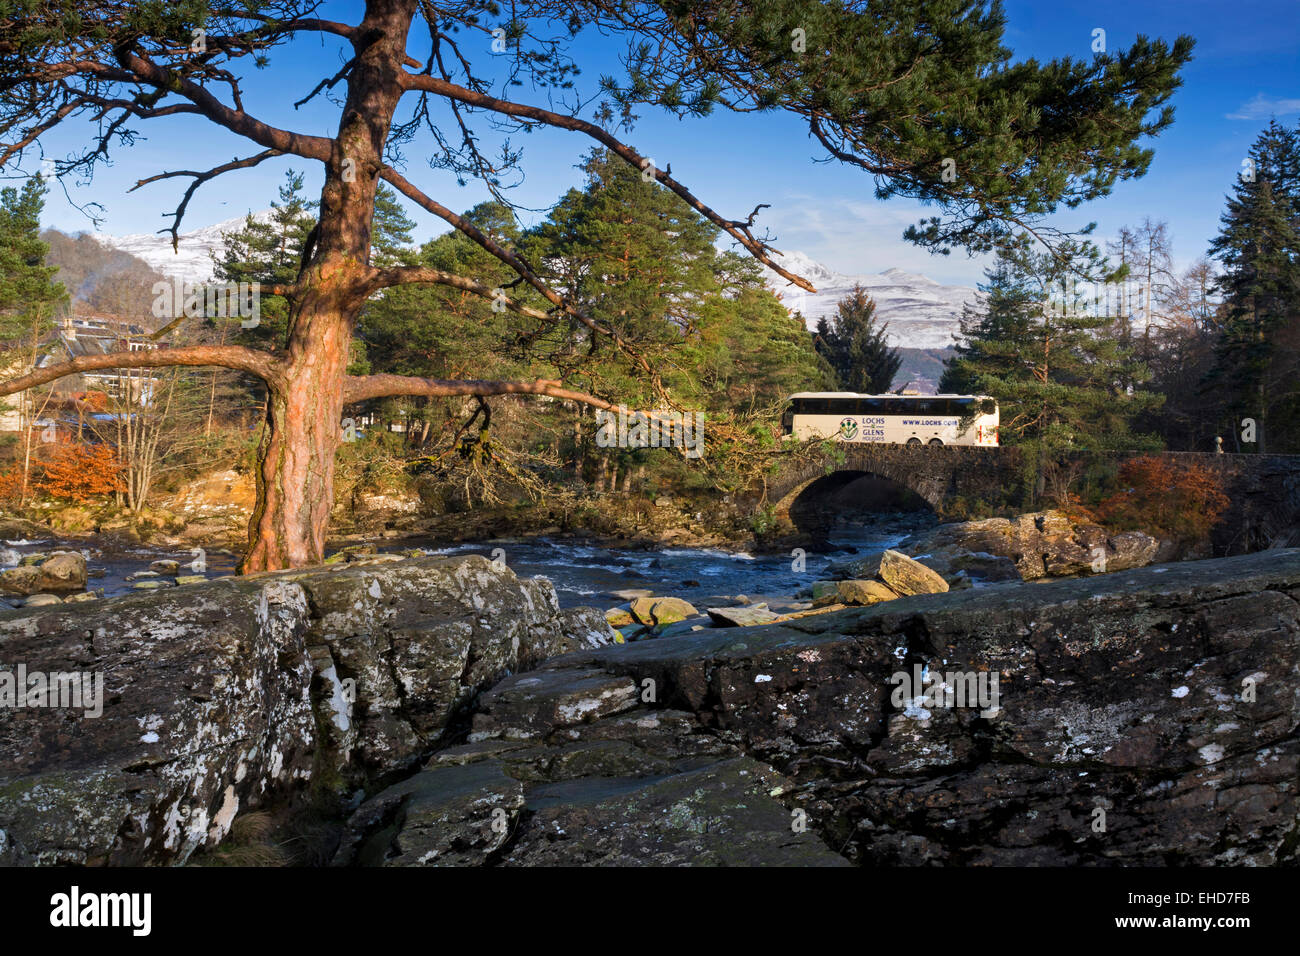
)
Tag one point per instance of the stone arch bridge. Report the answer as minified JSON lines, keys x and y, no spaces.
{"x":1263,"y":490}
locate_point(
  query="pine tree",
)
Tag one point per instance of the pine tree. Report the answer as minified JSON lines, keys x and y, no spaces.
{"x":393,"y":229}
{"x":27,"y":286}
{"x":1257,"y":354}
{"x":632,"y":253}
{"x":29,"y":297}
{"x":269,"y":251}
{"x":1036,"y":346}
{"x":856,"y":347}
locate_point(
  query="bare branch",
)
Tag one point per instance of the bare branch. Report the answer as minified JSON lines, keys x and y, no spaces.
{"x":145,"y":70}
{"x":361,"y":387}
{"x":740,"y":230}
{"x":262,"y":364}
{"x":199,"y":179}
{"x":407,"y":275}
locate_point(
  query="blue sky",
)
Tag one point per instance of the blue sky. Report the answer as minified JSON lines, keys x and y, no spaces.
{"x":1246,"y":68}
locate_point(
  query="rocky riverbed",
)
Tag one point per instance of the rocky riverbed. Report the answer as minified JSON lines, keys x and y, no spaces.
{"x":441,"y":710}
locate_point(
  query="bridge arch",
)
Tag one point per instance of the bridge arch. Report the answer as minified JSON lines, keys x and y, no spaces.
{"x":935,"y":473}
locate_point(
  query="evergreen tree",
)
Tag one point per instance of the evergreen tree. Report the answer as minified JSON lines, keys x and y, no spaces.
{"x":1257,"y":354}
{"x":26,"y":282}
{"x":269,"y":250}
{"x":856,"y":347}
{"x":442,"y":332}
{"x":393,"y":230}
{"x":29,"y":296}
{"x":631,"y":253}
{"x":1037,"y":347}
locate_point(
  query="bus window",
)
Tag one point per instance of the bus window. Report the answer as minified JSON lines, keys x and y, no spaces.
{"x":787,"y":420}
{"x":871,"y":407}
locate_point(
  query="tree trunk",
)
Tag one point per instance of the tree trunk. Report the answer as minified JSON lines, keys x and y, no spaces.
{"x":304,"y":409}
{"x":295,"y":480}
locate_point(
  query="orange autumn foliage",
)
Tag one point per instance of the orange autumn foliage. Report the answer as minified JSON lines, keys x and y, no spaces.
{"x":11,"y":485}
{"x":80,"y":473}
{"x":1181,"y":500}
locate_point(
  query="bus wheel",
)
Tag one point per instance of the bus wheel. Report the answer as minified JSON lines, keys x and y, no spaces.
{"x":936,"y":441}
{"x":914,"y":441}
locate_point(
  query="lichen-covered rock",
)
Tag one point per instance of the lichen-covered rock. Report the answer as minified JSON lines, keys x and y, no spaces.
{"x":645,"y":788}
{"x":533,"y":704}
{"x":721,"y":814}
{"x":201,"y":711}
{"x":449,"y":816}
{"x":222,"y":696}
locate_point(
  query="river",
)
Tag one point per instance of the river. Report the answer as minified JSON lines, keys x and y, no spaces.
{"x":583,"y":572}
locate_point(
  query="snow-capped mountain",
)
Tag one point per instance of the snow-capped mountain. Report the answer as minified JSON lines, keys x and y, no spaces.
{"x":192,"y":259}
{"x":922,"y":314}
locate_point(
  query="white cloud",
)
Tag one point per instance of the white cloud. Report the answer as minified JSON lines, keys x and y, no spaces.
{"x":1262,"y":107}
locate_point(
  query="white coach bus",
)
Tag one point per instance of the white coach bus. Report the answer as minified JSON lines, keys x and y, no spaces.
{"x":893,"y":419}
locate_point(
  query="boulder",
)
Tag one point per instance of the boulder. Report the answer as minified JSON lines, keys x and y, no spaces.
{"x":748,"y":616}
{"x":166,"y":566}
{"x":902,"y":574}
{"x":1042,"y":544}
{"x":620,"y":616}
{"x":579,"y":628}
{"x":658,"y":611}
{"x":864,"y":592}
{"x":202,"y":707}
{"x":25,"y":579}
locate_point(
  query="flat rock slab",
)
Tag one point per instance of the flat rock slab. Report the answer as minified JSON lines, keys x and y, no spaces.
{"x":721,"y":814}
{"x":535,"y":703}
{"x":741,"y":616}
